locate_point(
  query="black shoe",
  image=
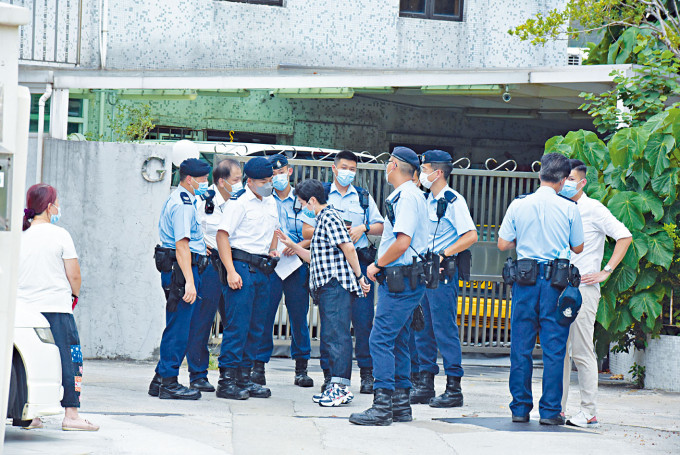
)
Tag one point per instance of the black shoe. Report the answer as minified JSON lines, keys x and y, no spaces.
{"x":415,"y":379}
{"x":155,"y":386}
{"x":366,"y":380}
{"x":557,"y":420}
{"x":173,"y":390}
{"x":301,"y":377}
{"x":452,"y":397}
{"x":203,"y":385}
{"x":227,"y":387}
{"x":257,"y":375}
{"x":423,"y":392}
{"x":520,"y":419}
{"x":380,"y":414}
{"x":401,"y":406}
{"x":326,"y":380}
{"x":246,"y":383}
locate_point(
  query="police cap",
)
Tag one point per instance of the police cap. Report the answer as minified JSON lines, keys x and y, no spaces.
{"x":194,"y":167}
{"x":436,"y":156}
{"x":278,"y":161}
{"x":258,"y":168}
{"x":406,"y":155}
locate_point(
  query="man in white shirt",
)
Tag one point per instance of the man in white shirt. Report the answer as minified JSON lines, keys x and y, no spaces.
{"x":598,"y":223}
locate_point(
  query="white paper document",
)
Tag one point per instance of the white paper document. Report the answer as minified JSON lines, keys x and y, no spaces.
{"x":287,"y":264}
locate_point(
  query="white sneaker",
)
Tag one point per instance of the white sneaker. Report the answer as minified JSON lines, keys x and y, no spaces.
{"x":336,"y":395}
{"x":583,"y":420}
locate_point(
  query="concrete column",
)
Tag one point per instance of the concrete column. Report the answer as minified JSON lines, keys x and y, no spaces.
{"x":59,"y":114}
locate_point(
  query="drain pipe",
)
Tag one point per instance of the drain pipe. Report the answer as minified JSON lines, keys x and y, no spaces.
{"x":103,"y":31}
{"x":41,"y":129}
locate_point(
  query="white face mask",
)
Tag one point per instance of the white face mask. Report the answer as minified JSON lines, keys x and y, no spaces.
{"x":388,"y":173}
{"x":424,"y":180}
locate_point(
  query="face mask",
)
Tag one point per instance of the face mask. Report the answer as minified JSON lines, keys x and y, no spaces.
{"x":308,"y":212}
{"x":424,"y":180}
{"x":265,"y":190}
{"x":55,"y":218}
{"x":346,"y":177}
{"x":569,"y":189}
{"x":236,"y":187}
{"x":202,"y":188}
{"x":280,"y":181}
{"x":387,"y":173}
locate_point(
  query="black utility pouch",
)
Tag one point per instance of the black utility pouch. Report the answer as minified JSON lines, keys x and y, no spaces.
{"x":416,"y":274}
{"x":574,"y":276}
{"x":464,"y":260}
{"x":367,"y":255}
{"x":164,"y":258}
{"x":394,"y":276}
{"x":219,"y":267}
{"x":527,"y":272}
{"x":176,"y":291}
{"x":431,"y":267}
{"x":380,"y":276}
{"x":560,"y":274}
{"x":268,"y":264}
{"x":202,"y":263}
{"x":510,"y":271}
{"x":418,"y":321}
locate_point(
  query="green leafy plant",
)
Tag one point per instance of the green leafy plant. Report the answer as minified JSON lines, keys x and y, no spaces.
{"x":638,"y":372}
{"x":132,"y":123}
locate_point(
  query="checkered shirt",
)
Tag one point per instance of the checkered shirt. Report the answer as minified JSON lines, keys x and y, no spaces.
{"x":327,"y":259}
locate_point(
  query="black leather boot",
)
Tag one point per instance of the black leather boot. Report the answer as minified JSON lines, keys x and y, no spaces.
{"x":452,"y":397}
{"x":246,"y":383}
{"x":326,"y":380}
{"x":301,"y":377}
{"x":380,"y":414}
{"x":415,"y":378}
{"x":401,"y":406}
{"x":257,"y":375}
{"x":227,"y":387}
{"x":173,"y":390}
{"x":203,"y":385}
{"x":424,"y":391}
{"x":155,"y":386}
{"x":366,"y":380}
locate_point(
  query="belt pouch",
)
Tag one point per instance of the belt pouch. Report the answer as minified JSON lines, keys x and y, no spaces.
{"x":176,"y":292}
{"x":395,"y":279}
{"x":464,"y":262}
{"x":163,"y":258}
{"x":560,"y":273}
{"x":574,"y":276}
{"x":221,"y":270}
{"x":510,"y":271}
{"x":432,"y":271}
{"x":527,"y":272}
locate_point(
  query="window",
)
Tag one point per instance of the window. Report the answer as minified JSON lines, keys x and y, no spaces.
{"x":447,"y":10}
{"x":258,"y":2}
{"x":33,"y":125}
{"x":77,"y":116}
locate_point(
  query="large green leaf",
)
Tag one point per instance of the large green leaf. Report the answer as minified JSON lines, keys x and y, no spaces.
{"x":554,"y":145}
{"x":640,"y":172}
{"x":622,"y":319}
{"x":657,"y":150}
{"x":656,"y":122}
{"x":646,"y":279}
{"x":623,"y":278}
{"x":606,"y":312}
{"x":626,"y":144}
{"x":626,"y":207}
{"x":665,"y":183}
{"x":671,"y":214}
{"x":650,"y":203}
{"x":638,"y":248}
{"x":660,"y":249}
{"x":586,"y":146}
{"x":644,"y":303}
{"x":615,"y":176}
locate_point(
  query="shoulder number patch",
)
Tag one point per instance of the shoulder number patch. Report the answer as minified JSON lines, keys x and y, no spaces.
{"x":185,"y":198}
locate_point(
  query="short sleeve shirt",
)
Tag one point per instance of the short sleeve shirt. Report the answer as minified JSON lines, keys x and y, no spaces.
{"x":210,"y":221}
{"x":291,"y":217}
{"x":455,"y":222}
{"x":179,"y":221}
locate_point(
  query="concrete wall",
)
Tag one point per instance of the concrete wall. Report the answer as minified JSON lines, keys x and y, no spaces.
{"x":112,"y":214}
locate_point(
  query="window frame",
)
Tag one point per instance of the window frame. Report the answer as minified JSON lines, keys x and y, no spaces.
{"x":258,"y":2}
{"x":430,"y":15}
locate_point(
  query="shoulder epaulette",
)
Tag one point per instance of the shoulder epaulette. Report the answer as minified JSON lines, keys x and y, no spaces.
{"x":564,"y":197}
{"x":185,"y":198}
{"x":450,"y":196}
{"x":237,"y":195}
{"x":522,"y":196}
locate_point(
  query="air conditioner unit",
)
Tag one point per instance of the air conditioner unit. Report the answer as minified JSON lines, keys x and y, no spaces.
{"x":576,"y":55}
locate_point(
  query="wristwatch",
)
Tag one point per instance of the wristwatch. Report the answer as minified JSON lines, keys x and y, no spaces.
{"x":608,"y":269}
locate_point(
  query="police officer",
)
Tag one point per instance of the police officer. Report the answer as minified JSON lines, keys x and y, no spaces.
{"x":398,"y":272}
{"x":542,"y":227}
{"x":295,"y":285}
{"x":451,"y":232}
{"x":246,"y":245}
{"x":183,"y":246}
{"x":361,"y":215}
{"x":226,"y":181}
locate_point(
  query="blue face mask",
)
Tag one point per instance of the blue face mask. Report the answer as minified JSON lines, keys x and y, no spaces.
{"x":308,"y":212}
{"x":280,"y":181}
{"x":55,"y":218}
{"x":202,"y":188}
{"x":236,"y":187}
{"x":569,"y":189}
{"x":346,"y":177}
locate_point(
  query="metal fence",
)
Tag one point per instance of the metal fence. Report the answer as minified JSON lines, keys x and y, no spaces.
{"x":484,"y":307}
{"x":54,"y":33}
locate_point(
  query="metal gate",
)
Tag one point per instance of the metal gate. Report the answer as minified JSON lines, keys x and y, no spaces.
{"x":484,"y":302}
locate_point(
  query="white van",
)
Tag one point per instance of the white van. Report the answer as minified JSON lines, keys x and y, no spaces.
{"x":35,"y":388}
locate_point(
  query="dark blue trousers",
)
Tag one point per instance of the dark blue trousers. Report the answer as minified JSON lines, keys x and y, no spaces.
{"x":534,"y":311}
{"x":297,"y":303}
{"x":198,"y":355}
{"x":363,"y":312}
{"x":441,"y":331}
{"x":176,"y":334}
{"x":413,"y":350}
{"x":244,"y":317}
{"x":335,"y":311}
{"x":65,"y":333}
{"x":390,"y":336}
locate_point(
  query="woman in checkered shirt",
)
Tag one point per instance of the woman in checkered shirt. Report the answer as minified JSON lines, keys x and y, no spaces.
{"x":335,"y":279}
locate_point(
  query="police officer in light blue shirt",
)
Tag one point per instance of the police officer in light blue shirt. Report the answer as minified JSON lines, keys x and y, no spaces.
{"x":361,"y":215}
{"x":181,"y":238}
{"x":451,"y":231}
{"x":294,"y":286}
{"x":542,"y":227}
{"x":404,"y":238}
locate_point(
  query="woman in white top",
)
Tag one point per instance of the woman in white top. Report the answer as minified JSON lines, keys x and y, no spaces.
{"x":49,"y":281}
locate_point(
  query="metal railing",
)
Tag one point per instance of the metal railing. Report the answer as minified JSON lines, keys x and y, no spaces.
{"x":484,"y":303}
{"x":54,"y":33}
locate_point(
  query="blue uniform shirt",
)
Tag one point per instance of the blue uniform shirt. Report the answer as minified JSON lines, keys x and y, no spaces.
{"x":455,"y":222}
{"x":410,"y":218}
{"x":350,"y":209}
{"x":178,"y":221}
{"x":291,"y":217}
{"x":544,"y":225}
